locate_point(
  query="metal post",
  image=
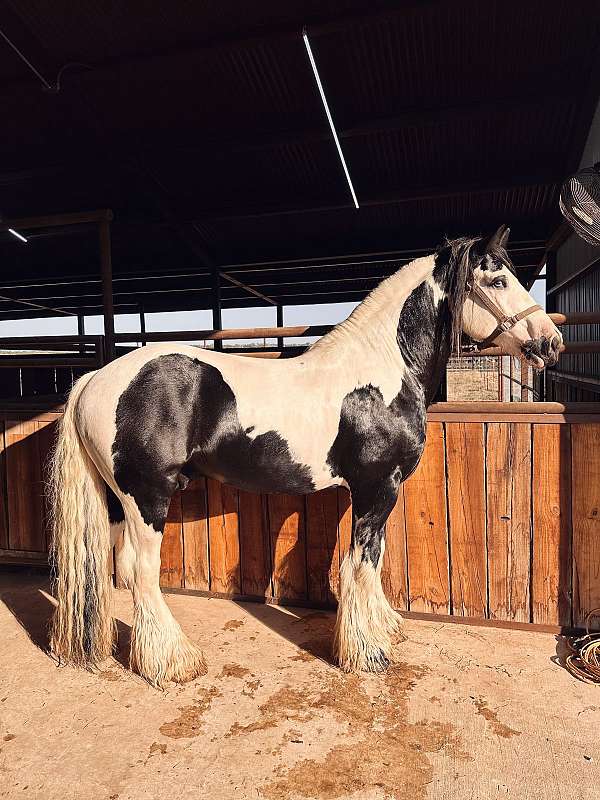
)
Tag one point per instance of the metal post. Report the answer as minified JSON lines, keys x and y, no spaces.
{"x":550,"y":280}
{"x":280,"y":325}
{"x":142,"y":323}
{"x":547,"y":384}
{"x":216,"y":307}
{"x":81,"y":330}
{"x":107,"y":291}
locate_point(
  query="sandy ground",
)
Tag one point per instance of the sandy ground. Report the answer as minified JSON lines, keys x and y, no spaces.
{"x":465,"y":713}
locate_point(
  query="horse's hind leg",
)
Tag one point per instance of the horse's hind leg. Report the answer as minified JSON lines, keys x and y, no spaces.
{"x":120,"y":540}
{"x":160,"y":651}
{"x":365,"y":620}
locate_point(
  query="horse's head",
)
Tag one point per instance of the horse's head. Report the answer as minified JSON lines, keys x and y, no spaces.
{"x":498,"y":310}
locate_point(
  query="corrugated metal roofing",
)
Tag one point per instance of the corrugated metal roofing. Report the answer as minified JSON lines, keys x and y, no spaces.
{"x":201,"y":127}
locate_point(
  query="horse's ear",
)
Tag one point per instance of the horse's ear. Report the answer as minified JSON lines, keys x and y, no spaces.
{"x":497,"y":239}
{"x":504,"y":238}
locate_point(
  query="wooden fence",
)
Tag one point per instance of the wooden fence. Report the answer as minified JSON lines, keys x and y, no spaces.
{"x":500,"y":521}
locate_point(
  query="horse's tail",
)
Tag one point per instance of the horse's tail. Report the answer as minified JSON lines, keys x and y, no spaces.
{"x":82,"y":627}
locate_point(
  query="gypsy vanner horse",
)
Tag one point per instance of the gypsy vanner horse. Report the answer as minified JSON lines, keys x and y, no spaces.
{"x":350,"y":411}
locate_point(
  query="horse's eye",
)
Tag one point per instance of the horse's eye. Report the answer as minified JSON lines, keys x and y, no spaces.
{"x":499,"y":283}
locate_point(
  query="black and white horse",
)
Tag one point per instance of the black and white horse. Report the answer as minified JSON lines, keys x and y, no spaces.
{"x":350,"y":411}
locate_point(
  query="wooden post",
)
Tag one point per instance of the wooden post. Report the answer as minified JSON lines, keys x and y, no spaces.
{"x":500,"y":384}
{"x":524,"y":382}
{"x":280,"y":324}
{"x":107,"y":290}
{"x":142,"y":322}
{"x":216,"y":307}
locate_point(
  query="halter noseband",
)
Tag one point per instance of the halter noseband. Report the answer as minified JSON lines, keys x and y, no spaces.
{"x":505,"y":323}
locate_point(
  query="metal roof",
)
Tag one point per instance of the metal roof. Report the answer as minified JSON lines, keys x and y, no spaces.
{"x":200,"y":126}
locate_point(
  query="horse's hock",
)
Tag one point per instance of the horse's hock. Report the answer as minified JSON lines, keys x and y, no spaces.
{"x":500,"y":521}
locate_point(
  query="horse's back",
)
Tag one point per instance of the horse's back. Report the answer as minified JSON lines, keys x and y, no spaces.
{"x":179,"y":410}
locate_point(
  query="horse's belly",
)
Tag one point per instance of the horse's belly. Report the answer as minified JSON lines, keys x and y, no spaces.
{"x":264,"y":464}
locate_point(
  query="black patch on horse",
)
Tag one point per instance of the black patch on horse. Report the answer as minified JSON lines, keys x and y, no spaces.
{"x":177,"y":420}
{"x":115,"y":509}
{"x":376,"y":448}
{"x":423,"y":339}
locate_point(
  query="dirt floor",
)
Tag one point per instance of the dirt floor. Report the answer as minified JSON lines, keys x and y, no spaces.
{"x":465,"y":713}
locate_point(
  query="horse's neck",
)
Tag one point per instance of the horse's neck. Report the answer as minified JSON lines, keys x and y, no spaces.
{"x":374,"y":322}
{"x":402,"y":325}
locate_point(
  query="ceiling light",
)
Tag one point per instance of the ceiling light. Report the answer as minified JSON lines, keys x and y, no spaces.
{"x":17,"y":234}
{"x":329,"y":117}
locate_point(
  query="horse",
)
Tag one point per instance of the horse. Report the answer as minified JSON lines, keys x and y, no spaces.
{"x":350,"y":411}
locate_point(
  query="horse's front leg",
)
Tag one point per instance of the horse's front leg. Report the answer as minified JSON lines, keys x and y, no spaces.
{"x":160,"y":651}
{"x":365,"y":620}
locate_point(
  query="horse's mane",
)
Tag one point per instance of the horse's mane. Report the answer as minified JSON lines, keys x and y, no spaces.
{"x":454,"y":262}
{"x":462,"y":260}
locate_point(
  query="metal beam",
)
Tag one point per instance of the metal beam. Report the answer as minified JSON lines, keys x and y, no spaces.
{"x":535,"y":96}
{"x":408,"y":195}
{"x":57,"y":220}
{"x":254,"y":36}
{"x":190,"y":235}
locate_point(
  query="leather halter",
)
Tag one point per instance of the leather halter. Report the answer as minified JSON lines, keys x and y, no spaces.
{"x":505,"y":323}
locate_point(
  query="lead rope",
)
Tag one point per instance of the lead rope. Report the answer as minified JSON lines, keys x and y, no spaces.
{"x":583,"y":660}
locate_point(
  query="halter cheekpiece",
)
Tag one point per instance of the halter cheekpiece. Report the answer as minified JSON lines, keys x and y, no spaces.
{"x":505,"y":323}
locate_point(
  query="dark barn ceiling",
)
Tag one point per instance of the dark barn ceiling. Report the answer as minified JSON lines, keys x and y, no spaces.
{"x":200,"y":126}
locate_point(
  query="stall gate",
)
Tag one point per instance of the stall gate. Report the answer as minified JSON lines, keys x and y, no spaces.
{"x":500,"y":521}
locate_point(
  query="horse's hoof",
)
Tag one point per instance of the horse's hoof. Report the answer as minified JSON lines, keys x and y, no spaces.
{"x":377,"y":661}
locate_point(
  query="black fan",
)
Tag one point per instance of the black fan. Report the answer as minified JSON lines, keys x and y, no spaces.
{"x":580,"y":203}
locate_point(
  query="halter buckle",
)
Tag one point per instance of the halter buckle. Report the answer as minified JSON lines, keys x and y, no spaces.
{"x":506,"y":324}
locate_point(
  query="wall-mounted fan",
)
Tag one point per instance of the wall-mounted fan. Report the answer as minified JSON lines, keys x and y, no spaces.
{"x":580,"y":203}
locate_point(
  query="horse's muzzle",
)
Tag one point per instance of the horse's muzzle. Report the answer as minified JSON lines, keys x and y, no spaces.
{"x":542,"y":352}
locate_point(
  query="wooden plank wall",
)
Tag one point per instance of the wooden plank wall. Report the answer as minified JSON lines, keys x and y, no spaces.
{"x":501,"y":520}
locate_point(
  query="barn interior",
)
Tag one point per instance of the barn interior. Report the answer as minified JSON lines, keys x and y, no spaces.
{"x":180,"y":158}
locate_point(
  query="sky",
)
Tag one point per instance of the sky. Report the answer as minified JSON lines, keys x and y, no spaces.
{"x":325,"y":314}
{"x":330,"y":313}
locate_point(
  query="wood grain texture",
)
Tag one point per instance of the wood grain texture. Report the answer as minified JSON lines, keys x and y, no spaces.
{"x":255,"y":545}
{"x":288,"y":545}
{"x":46,"y":434}
{"x":321,"y":543}
{"x":25,"y":487}
{"x":393,"y":572}
{"x":171,"y":551}
{"x":467,"y":518}
{"x":508,"y":452}
{"x":585,"y":443}
{"x":194,"y":510}
{"x":426,"y":528}
{"x":223,"y":537}
{"x":551,"y":489}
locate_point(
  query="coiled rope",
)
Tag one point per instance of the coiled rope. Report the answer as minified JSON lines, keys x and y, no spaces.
{"x":583,"y":660}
